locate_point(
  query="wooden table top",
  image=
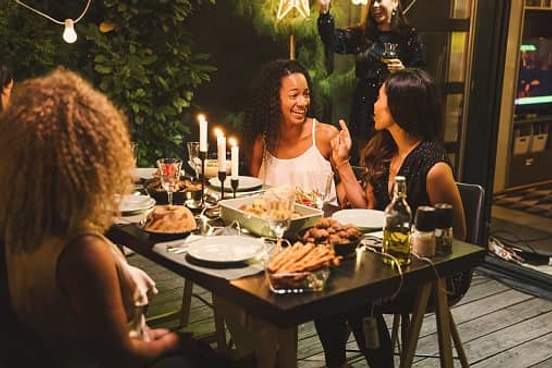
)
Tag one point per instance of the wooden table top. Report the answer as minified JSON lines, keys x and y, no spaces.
{"x":358,"y":281}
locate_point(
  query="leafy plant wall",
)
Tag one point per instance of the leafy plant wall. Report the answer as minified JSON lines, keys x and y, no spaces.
{"x":138,"y":52}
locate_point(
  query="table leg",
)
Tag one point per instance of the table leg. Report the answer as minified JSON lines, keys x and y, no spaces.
{"x":443,"y":323}
{"x":287,"y":341}
{"x":458,"y":344}
{"x":420,"y":306}
{"x":220,"y":329}
{"x":186,"y":303}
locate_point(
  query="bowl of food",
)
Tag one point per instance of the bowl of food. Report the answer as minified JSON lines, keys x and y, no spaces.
{"x":300,"y":267}
{"x":343,"y":238}
{"x":187,"y":188}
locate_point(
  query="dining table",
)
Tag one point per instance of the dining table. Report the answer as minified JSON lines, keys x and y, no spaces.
{"x":360,"y":280}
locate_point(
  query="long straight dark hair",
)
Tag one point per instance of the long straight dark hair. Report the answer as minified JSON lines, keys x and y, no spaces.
{"x":414,"y":102}
{"x":399,"y":25}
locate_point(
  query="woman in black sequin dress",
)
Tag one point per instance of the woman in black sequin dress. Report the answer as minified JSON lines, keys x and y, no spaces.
{"x":385,"y":23}
{"x":407,"y":118}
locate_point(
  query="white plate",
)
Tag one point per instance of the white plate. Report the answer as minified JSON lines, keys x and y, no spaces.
{"x":144,"y":172}
{"x":226,"y":249}
{"x":361,"y":218}
{"x":245,"y":183}
{"x":135,"y":204}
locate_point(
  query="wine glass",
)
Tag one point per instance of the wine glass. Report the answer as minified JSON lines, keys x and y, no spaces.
{"x":389,"y":51}
{"x":279,"y":204}
{"x":320,"y":186}
{"x":193,"y":157}
{"x":169,"y":173}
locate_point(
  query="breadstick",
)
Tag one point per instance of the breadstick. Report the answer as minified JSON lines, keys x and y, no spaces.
{"x":289,"y":259}
{"x":278,"y":259}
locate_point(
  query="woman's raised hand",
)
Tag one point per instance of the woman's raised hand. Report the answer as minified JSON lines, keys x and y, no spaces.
{"x":324,"y":5}
{"x":341,"y":145}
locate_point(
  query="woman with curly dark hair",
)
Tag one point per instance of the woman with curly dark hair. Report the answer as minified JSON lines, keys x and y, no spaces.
{"x":286,"y":144}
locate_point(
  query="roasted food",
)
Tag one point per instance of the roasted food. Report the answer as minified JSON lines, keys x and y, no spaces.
{"x":170,"y":219}
{"x":330,"y":231}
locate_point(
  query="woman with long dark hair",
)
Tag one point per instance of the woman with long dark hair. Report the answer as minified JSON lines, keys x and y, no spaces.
{"x":407,"y":118}
{"x":385,"y":23}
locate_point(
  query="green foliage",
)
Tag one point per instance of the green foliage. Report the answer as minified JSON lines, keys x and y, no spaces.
{"x":146,"y":64}
{"x":310,"y":51}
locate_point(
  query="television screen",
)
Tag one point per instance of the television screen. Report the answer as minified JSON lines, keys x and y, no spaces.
{"x":535,"y":73}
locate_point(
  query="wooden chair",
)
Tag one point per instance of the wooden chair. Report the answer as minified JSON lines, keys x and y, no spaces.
{"x":473,"y":200}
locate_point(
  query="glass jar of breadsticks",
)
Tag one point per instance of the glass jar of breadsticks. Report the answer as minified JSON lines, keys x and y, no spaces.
{"x":300,"y":267}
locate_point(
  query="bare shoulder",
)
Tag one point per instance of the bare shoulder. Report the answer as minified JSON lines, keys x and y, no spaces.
{"x":441,"y":172}
{"x":325,"y":131}
{"x":86,"y":255}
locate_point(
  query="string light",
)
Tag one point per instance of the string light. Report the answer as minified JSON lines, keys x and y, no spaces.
{"x":69,"y":33}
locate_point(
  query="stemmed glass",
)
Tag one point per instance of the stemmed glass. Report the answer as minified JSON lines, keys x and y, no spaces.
{"x":279,"y":203}
{"x":169,"y":172}
{"x":193,"y":157}
{"x":320,"y":183}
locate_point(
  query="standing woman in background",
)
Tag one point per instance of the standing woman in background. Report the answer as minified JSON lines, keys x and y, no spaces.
{"x":6,"y":85}
{"x":385,"y":23}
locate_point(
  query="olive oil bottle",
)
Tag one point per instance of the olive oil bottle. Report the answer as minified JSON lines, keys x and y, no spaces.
{"x":398,"y":221}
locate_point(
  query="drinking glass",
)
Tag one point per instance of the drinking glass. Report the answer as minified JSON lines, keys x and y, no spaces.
{"x":320,"y":185}
{"x":169,"y":173}
{"x":279,"y":204}
{"x":193,"y":157}
{"x":389,"y":51}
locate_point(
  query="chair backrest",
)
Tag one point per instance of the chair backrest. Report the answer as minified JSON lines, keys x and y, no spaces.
{"x":473,"y":198}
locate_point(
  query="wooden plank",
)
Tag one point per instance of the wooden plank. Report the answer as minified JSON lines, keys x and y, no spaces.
{"x":481,"y":307}
{"x":544,"y":364}
{"x":490,"y":323}
{"x":479,"y":350}
{"x":528,"y":354}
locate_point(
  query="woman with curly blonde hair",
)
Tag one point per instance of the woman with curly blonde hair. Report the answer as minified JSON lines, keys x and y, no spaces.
{"x":65,"y":159}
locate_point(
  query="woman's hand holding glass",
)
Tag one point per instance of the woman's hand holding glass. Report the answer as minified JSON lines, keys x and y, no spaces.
{"x":341,"y":146}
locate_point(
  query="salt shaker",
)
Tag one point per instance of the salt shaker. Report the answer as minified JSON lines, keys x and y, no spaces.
{"x":423,"y":235}
{"x":443,"y":228}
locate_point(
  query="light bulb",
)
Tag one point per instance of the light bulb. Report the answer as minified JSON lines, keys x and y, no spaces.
{"x":69,"y":34}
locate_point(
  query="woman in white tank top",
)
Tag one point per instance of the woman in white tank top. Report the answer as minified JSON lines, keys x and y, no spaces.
{"x":287,"y":148}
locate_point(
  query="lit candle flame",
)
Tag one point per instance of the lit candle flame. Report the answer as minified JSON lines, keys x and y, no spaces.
{"x":200,"y":117}
{"x":218,"y":132}
{"x":233,"y":141}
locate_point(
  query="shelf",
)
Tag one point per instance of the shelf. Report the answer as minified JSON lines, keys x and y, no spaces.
{"x":537,"y":120}
{"x":537,"y":8}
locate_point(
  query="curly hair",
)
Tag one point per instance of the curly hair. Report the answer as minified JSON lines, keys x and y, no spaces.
{"x":414,"y":102}
{"x":65,"y":157}
{"x":264,"y":113}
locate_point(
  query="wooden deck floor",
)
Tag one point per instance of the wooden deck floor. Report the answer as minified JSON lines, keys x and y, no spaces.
{"x":500,"y":327}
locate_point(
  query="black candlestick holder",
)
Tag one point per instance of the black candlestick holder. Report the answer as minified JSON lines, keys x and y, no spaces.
{"x":234,"y":183}
{"x":222,"y":179}
{"x":202,"y":157}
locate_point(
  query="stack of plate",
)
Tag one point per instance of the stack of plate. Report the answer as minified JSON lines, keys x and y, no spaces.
{"x":245,"y":184}
{"x":132,"y":205}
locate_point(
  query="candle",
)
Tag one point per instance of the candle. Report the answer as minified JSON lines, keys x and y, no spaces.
{"x":202,"y":133}
{"x":235,"y":154}
{"x":221,"y":150}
